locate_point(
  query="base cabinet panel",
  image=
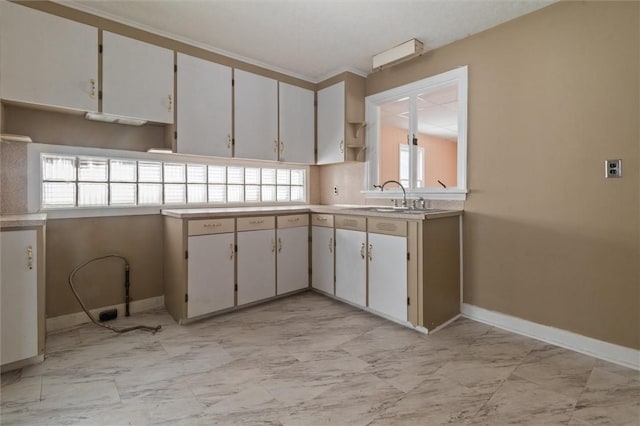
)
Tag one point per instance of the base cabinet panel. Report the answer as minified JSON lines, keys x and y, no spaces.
{"x":256,"y":265}
{"x":351,"y":266}
{"x":322,"y":269}
{"x":19,"y":295}
{"x":388,"y":275}
{"x":210,"y":274}
{"x":293,"y":259}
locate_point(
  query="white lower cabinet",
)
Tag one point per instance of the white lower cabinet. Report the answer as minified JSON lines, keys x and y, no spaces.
{"x":211,"y":273}
{"x":388,"y":275}
{"x":19,"y":295}
{"x":256,"y":259}
{"x":293,"y":253}
{"x":322,"y":248}
{"x":351,"y":265}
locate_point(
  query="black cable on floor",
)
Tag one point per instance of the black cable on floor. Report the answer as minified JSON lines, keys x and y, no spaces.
{"x":86,"y":311}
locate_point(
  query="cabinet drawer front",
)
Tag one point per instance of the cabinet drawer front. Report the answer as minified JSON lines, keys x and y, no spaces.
{"x":210,"y":226}
{"x":256,"y":223}
{"x":355,"y":223}
{"x":322,"y":220}
{"x":387,"y":226}
{"x":293,"y":221}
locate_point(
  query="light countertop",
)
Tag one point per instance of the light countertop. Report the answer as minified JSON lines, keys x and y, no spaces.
{"x":359,"y":210}
{"x":22,"y":220}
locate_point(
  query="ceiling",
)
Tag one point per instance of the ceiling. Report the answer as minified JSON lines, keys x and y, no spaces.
{"x":437,"y":113}
{"x":310,"y":39}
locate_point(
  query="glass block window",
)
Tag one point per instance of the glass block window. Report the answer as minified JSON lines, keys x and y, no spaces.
{"x":77,"y":181}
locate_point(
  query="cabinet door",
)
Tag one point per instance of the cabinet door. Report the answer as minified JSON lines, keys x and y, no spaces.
{"x":19,"y":295}
{"x":256,"y":116}
{"x":211,"y":273}
{"x":296,"y":124}
{"x":388,"y":275}
{"x":322,"y":269}
{"x":293,"y":259}
{"x":331,"y":124}
{"x":137,"y":79}
{"x":351,"y":266}
{"x":256,"y":265}
{"x":47,"y":60}
{"x":204,"y":107}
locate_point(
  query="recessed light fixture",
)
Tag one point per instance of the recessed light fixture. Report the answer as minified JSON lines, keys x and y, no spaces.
{"x":112,"y":118}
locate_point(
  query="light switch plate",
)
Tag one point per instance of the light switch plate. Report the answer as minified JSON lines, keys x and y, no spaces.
{"x":613,"y":168}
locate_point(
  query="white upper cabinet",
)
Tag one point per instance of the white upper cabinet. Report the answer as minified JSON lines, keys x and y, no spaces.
{"x":47,"y":60}
{"x":256,"y":116}
{"x":331,"y":124}
{"x":204,"y":107}
{"x":296,"y":124}
{"x":137,"y":79}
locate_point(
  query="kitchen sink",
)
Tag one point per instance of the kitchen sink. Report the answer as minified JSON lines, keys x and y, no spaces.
{"x":404,"y":210}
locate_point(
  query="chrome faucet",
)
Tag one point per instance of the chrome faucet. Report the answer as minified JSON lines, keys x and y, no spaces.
{"x":404,"y":193}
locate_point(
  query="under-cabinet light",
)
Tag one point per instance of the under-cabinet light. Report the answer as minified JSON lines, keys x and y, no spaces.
{"x":160,"y":151}
{"x":111,"y":118}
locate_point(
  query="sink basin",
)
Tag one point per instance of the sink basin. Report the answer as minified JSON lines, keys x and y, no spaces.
{"x":404,"y":210}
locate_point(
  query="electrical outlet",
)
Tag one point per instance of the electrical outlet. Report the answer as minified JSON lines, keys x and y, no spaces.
{"x":613,"y":168}
{"x":335,"y":190}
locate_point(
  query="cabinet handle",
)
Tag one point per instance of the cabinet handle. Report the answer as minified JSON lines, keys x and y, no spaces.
{"x":256,"y":222}
{"x":30,"y":257}
{"x":370,"y":252}
{"x":228,"y":140}
{"x":321,"y":219}
{"x":281,"y":147}
{"x":331,"y":245}
{"x":279,"y":245}
{"x":296,"y":219}
{"x":275,"y":146}
{"x":362,"y":251}
{"x":341,"y":147}
{"x":92,"y":95}
{"x":170,"y":103}
{"x":232,"y":251}
{"x":273,"y":245}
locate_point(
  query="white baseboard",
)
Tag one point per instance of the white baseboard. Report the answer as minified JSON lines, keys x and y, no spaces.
{"x":617,"y":354}
{"x":78,"y":318}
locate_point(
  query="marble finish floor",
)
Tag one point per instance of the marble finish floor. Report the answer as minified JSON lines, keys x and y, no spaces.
{"x":310,"y":360}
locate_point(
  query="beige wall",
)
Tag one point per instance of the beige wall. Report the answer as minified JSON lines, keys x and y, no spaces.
{"x":551,"y":96}
{"x":73,"y":241}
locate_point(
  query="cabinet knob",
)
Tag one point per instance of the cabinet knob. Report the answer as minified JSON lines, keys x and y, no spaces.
{"x":170,"y":102}
{"x":92,"y":95}
{"x":30,"y":257}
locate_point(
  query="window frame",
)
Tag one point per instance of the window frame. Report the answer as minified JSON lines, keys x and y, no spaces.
{"x":36,"y":151}
{"x":373,"y":129}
